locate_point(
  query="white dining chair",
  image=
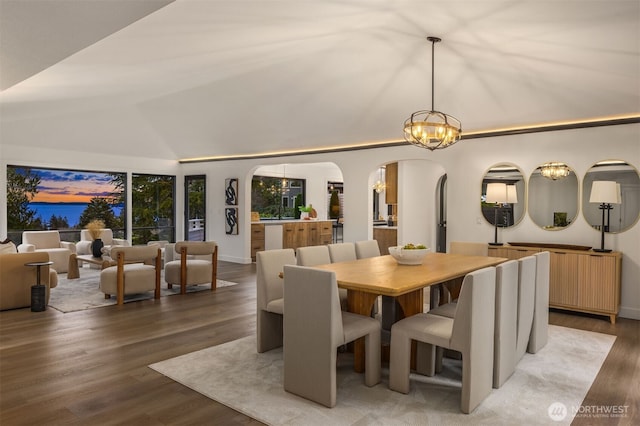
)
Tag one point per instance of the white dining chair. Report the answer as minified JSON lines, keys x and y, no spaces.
{"x":526,"y":296}
{"x":319,"y":255}
{"x":342,"y":252}
{"x":314,"y":328}
{"x":468,"y":333}
{"x":270,"y":302}
{"x":367,"y":248}
{"x":505,"y":323}
{"x":313,"y":255}
{"x":540,"y":329}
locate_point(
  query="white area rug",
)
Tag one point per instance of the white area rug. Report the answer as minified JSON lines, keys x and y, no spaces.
{"x":235,"y":375}
{"x":84,"y":293}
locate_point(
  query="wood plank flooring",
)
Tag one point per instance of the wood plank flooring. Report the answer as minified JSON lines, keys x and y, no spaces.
{"x":90,"y":367}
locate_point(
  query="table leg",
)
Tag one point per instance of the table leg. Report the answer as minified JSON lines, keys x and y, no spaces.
{"x":73,"y":271}
{"x":361,"y":303}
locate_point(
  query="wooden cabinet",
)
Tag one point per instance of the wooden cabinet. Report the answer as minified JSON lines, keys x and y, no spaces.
{"x":326,"y":232}
{"x":391,"y":183}
{"x":306,"y":233}
{"x":584,"y":281}
{"x":257,"y":239}
{"x":386,"y":237}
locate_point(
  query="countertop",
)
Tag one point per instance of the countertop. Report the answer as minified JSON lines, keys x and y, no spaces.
{"x":280,"y":222}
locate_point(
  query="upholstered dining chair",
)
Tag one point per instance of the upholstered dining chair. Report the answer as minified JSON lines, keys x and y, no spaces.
{"x":540,"y":329}
{"x":505,"y":324}
{"x":137,"y":270}
{"x":342,"y":252}
{"x":469,"y":248}
{"x":364,"y":250}
{"x":198,"y":264}
{"x":314,"y":328}
{"x":270,"y":302}
{"x":318,"y":255}
{"x":468,"y":333}
{"x":526,"y":299}
{"x":313,"y":255}
{"x":367,"y":248}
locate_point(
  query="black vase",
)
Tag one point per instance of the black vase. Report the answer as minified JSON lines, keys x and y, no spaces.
{"x":96,"y":247}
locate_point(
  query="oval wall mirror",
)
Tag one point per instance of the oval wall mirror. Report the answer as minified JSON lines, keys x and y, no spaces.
{"x":509,"y":209}
{"x":624,"y":213}
{"x":553,"y":196}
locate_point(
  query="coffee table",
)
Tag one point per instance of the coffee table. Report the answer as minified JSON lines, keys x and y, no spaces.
{"x":75,"y":260}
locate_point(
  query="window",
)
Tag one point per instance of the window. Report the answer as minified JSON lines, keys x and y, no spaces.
{"x":277,"y":198}
{"x":152,"y":207}
{"x":64,"y":200}
{"x":195,"y":207}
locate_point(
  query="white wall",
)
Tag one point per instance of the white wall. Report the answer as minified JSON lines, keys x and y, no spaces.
{"x":465,"y":164}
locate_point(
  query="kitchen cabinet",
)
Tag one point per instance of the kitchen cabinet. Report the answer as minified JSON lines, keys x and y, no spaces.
{"x":391,"y":183}
{"x":386,"y":236}
{"x":295,"y":233}
{"x":257,"y":239}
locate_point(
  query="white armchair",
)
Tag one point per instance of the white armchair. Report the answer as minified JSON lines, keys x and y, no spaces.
{"x":49,"y":242}
{"x":84,"y":245}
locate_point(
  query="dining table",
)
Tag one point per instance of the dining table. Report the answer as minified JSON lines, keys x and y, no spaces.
{"x":366,"y":279}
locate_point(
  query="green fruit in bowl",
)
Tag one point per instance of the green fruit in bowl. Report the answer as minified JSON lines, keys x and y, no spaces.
{"x":411,"y":246}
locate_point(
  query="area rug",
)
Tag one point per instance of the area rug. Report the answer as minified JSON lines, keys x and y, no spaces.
{"x":83,"y":293}
{"x":251,"y":383}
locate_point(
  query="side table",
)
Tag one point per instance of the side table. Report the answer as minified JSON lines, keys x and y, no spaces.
{"x":38,"y":291}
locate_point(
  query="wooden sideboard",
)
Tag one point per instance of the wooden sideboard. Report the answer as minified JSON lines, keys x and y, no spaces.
{"x":300,"y":233}
{"x":580,"y":280}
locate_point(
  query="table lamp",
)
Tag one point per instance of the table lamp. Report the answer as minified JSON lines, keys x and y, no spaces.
{"x":606,"y":193}
{"x":497,"y":193}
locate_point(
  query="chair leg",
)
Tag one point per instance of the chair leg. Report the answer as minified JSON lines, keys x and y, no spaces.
{"x":399,"y":360}
{"x":268,"y":331}
{"x":372,"y":359}
{"x":426,"y":359}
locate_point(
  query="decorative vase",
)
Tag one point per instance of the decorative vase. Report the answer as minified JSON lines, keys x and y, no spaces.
{"x":96,"y":247}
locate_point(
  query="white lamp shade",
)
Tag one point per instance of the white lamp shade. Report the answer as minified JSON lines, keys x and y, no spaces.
{"x":605,"y":191}
{"x":512,"y":194}
{"x":497,"y":193}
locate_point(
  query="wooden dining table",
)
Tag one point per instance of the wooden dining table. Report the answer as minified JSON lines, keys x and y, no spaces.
{"x":366,"y":279}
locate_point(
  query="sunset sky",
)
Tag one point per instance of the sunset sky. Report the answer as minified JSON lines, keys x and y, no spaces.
{"x":64,"y":186}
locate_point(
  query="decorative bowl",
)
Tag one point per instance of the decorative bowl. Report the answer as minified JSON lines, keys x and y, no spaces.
{"x":408,"y":256}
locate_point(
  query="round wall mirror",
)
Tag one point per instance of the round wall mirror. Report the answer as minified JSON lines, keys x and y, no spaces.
{"x":553,"y":196}
{"x":507,"y":206}
{"x":620,"y":215}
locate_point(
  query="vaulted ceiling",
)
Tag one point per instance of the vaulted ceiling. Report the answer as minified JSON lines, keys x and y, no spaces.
{"x":190,"y":78}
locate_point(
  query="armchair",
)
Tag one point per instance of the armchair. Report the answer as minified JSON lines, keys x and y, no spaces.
{"x":16,"y":279}
{"x":84,"y":245}
{"x":132,"y":274}
{"x":197,"y":264}
{"x":49,"y":242}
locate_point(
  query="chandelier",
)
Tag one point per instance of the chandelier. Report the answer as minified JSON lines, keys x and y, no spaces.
{"x":554,"y":171}
{"x":379,"y":186}
{"x":432,"y":129}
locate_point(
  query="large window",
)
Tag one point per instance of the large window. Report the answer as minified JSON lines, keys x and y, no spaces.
{"x":277,"y":198}
{"x":195,"y":207}
{"x":64,"y":200}
{"x":152,"y":207}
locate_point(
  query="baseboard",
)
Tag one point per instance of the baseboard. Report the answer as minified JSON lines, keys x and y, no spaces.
{"x":234,"y":259}
{"x":629,"y":313}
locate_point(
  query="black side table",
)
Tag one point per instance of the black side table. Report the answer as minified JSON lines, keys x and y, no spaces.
{"x":38,"y":291}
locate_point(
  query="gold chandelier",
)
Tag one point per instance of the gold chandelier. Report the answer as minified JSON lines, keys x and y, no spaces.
{"x":379,"y":186}
{"x":554,"y":171}
{"x":432,"y":129}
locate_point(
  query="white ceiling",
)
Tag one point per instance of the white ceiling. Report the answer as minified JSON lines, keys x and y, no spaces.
{"x":206,"y":77}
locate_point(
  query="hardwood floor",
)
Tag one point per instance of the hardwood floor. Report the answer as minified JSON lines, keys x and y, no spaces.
{"x":90,"y":367}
